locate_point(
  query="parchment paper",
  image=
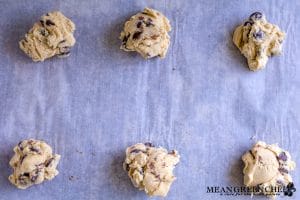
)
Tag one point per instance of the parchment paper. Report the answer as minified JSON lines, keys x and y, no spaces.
{"x":201,"y":99}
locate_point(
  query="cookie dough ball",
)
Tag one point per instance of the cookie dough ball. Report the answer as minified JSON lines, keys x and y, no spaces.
{"x":257,"y":39}
{"x":151,"y":168}
{"x":33,"y":163}
{"x":267,"y":166}
{"x":52,"y":35}
{"x":147,"y":33}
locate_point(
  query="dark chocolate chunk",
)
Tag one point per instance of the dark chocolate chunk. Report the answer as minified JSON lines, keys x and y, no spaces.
{"x":49,"y":22}
{"x":282,"y":156}
{"x":64,"y":53}
{"x":172,"y":152}
{"x":124,"y":41}
{"x":248,"y":23}
{"x":256,"y":16}
{"x":43,"y":32}
{"x":48,"y":162}
{"x":151,"y":165}
{"x":154,"y":37}
{"x":135,"y":151}
{"x":149,"y":144}
{"x":26,"y":174}
{"x":34,"y":149}
{"x":139,"y":24}
{"x":33,"y":178}
{"x":136,"y":35}
{"x":42,"y":22}
{"x":149,"y":22}
{"x":251,"y":153}
{"x":283,"y":170}
{"x":22,"y":159}
{"x":20,"y":146}
{"x":258,"y":35}
{"x":127,"y":167}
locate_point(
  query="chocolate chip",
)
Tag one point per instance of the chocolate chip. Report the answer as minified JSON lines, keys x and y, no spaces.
{"x":248,"y":23}
{"x":139,"y":24}
{"x":149,"y":22}
{"x":62,"y":41}
{"x":48,"y":162}
{"x":49,"y":22}
{"x":64,"y":54}
{"x":258,"y":35}
{"x":154,"y":37}
{"x":64,"y":51}
{"x":136,"y":35}
{"x":256,"y":16}
{"x":42,"y":22}
{"x":149,"y":144}
{"x":43,"y":32}
{"x":20,"y":145}
{"x":151,"y":165}
{"x":47,"y":14}
{"x":135,"y":151}
{"x":282,"y":156}
{"x":172,"y":152}
{"x":22,"y":159}
{"x":26,"y":174}
{"x":33,"y":178}
{"x":141,"y":18}
{"x":34,"y":149}
{"x":251,"y":153}
{"x":125,"y":38}
{"x":127,"y":167}
{"x":283,"y":170}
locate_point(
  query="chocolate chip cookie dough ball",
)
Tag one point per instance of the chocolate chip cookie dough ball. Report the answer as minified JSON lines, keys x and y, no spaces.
{"x":52,"y":35}
{"x":257,"y":39}
{"x":151,"y":168}
{"x":267,"y":166}
{"x":33,"y":163}
{"x":147,"y":34}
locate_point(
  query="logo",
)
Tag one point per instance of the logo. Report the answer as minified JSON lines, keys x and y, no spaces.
{"x":288,"y":190}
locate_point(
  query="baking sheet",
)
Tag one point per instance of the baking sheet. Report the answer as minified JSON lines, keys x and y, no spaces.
{"x":201,"y":99}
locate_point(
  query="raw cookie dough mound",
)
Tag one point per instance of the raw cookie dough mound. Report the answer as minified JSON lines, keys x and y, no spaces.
{"x":151,"y":168}
{"x":147,"y":33}
{"x":33,"y":163}
{"x":52,"y":35}
{"x":267,"y":166}
{"x":257,"y":40}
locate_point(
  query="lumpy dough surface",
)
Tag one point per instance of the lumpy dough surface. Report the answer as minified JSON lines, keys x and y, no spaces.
{"x":267,"y":166}
{"x":52,"y":35}
{"x":151,"y":168}
{"x":257,"y":39}
{"x":33,"y":162}
{"x":147,"y":34}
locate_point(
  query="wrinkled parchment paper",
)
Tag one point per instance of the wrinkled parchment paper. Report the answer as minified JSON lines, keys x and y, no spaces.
{"x":201,"y":99}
